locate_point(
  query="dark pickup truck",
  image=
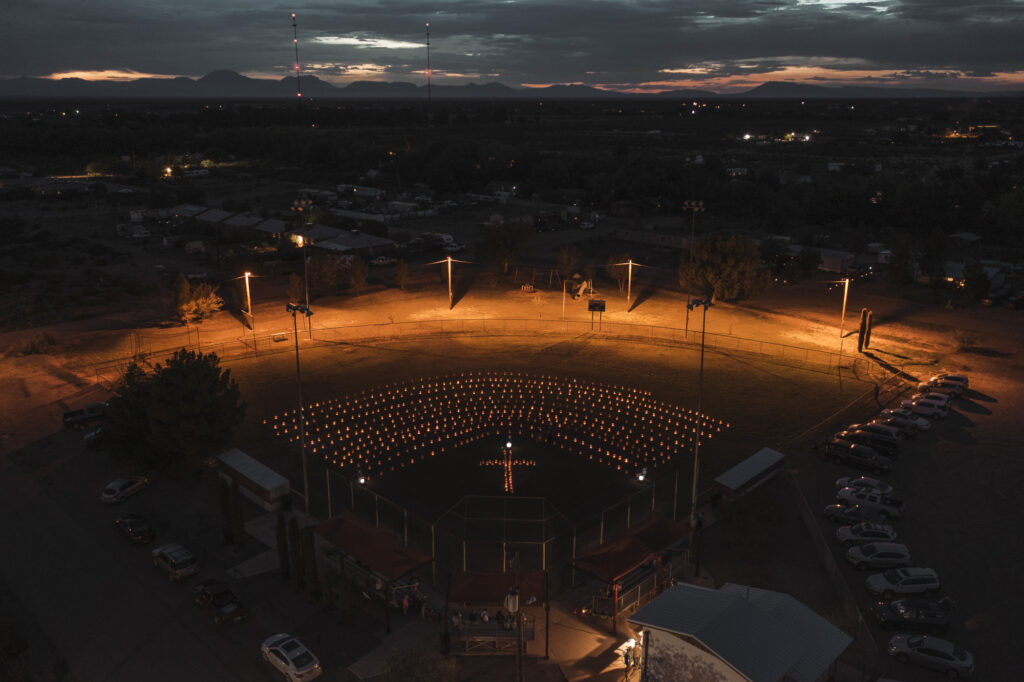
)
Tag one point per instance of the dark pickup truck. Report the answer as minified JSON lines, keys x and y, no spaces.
{"x":88,"y":415}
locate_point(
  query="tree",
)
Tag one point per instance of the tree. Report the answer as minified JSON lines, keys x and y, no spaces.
{"x":401,"y":274}
{"x":569,"y":259}
{"x":357,"y":275}
{"x":618,"y":272}
{"x":282,"y":545}
{"x":205,"y":302}
{"x":181,"y":296}
{"x":187,"y":410}
{"x":726,"y":266}
{"x":504,"y":244}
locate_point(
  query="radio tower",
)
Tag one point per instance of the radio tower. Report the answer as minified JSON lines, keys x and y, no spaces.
{"x":428,"y":63}
{"x":298,"y":65}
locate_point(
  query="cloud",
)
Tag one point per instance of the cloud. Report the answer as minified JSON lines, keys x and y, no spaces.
{"x":108,"y":75}
{"x":382,"y":43}
{"x":636,"y":43}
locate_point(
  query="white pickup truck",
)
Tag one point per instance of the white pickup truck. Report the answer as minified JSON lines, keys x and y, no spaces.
{"x":873,"y":500}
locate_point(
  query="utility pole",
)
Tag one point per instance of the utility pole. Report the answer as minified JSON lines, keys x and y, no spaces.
{"x":294,"y":308}
{"x":248,"y":304}
{"x":694,"y":207}
{"x":448,"y":260}
{"x":705,"y":303}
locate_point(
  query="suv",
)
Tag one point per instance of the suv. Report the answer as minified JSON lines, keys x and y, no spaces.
{"x":887,"y":507}
{"x":914,"y":613}
{"x":961,"y":379}
{"x":882,"y":444}
{"x":176,"y":561}
{"x":927,"y":408}
{"x":221,"y":600}
{"x":878,"y":555}
{"x":135,"y":528}
{"x":938,"y":385}
{"x":864,"y":482}
{"x":845,"y":452}
{"x":891,"y":432}
{"x":864,"y":532}
{"x":904,"y":581}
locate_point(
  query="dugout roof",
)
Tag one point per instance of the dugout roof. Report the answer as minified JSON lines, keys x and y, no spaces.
{"x":374,"y":547}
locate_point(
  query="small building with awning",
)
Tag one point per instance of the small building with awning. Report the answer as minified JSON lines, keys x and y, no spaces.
{"x":469,"y":590}
{"x":256,"y":480}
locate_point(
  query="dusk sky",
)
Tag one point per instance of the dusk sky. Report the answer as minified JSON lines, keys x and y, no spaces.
{"x":725,"y":45}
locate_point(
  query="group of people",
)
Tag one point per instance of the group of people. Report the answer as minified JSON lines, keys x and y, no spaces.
{"x":502,"y":618}
{"x":396,"y":425}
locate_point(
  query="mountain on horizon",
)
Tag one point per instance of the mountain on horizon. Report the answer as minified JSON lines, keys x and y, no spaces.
{"x":227,"y":84}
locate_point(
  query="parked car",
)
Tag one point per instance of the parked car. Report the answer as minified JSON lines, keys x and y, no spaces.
{"x":864,"y":482}
{"x":887,"y":507}
{"x":943,"y":398}
{"x":914,"y":613}
{"x":864,"y":532}
{"x":176,"y":561}
{"x":904,"y":581}
{"x":928,"y":408}
{"x":898,"y":413}
{"x":962,"y":379}
{"x":878,"y":555}
{"x":907,"y":428}
{"x":454,"y":247}
{"x":119,"y":490}
{"x":879,"y":430}
{"x":845,"y":452}
{"x":938,"y":385}
{"x":222,"y":601}
{"x":932,"y":652}
{"x":93,"y":439}
{"x":290,"y":657}
{"x":883,"y":445}
{"x":90,"y":414}
{"x":849,"y":513}
{"x":135,"y":528}
{"x":383,"y":260}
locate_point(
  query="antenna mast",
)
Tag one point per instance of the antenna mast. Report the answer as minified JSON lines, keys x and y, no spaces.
{"x":428,"y":63}
{"x":298,"y":64}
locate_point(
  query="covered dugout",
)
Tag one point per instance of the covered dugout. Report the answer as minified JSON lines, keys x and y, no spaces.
{"x":372,"y":557}
{"x":487,"y":589}
{"x":759,"y":468}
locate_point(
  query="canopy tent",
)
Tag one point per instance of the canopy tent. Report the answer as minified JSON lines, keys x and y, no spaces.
{"x":617,"y":558}
{"x":373,"y":547}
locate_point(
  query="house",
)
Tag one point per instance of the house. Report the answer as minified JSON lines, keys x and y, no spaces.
{"x":272,"y":227}
{"x":213,"y":216}
{"x":186,"y":210}
{"x":357,"y":243}
{"x":735,"y":633}
{"x":243,"y":220}
{"x":311,"y":234}
{"x":833,"y":260}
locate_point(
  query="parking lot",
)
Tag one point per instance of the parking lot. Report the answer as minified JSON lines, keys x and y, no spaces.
{"x":958,"y":481}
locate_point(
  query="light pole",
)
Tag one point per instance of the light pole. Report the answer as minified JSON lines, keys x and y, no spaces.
{"x":563,"y":299}
{"x":705,"y":303}
{"x":842,"y":318}
{"x":629,"y":279}
{"x":248,"y":304}
{"x":694,"y":207}
{"x":301,"y":207}
{"x":449,"y":261}
{"x":294,"y":308}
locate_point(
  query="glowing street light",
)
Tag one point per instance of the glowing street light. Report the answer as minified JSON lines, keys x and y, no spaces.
{"x":694,"y":207}
{"x":842,"y":318}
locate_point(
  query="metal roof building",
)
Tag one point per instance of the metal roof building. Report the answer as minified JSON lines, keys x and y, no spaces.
{"x":746,"y":632}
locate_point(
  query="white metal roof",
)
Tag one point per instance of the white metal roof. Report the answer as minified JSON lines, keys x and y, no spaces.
{"x":255,"y":471}
{"x":768,"y":636}
{"x":750,"y":468}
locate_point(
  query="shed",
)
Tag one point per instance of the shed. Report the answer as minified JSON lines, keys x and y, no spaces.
{"x":257,"y":481}
{"x":750,"y":473}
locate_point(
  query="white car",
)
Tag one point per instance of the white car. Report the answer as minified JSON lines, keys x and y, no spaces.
{"x":383,"y":260}
{"x":934,"y":653}
{"x":934,"y":397}
{"x":937,"y":385}
{"x":873,"y":500}
{"x":878,"y":555}
{"x":903,"y":581}
{"x":928,"y":408}
{"x":961,"y":379}
{"x":291,"y":658}
{"x":119,"y":490}
{"x":921,"y":423}
{"x":863,"y":533}
{"x":455,"y":247}
{"x":864,"y":482}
